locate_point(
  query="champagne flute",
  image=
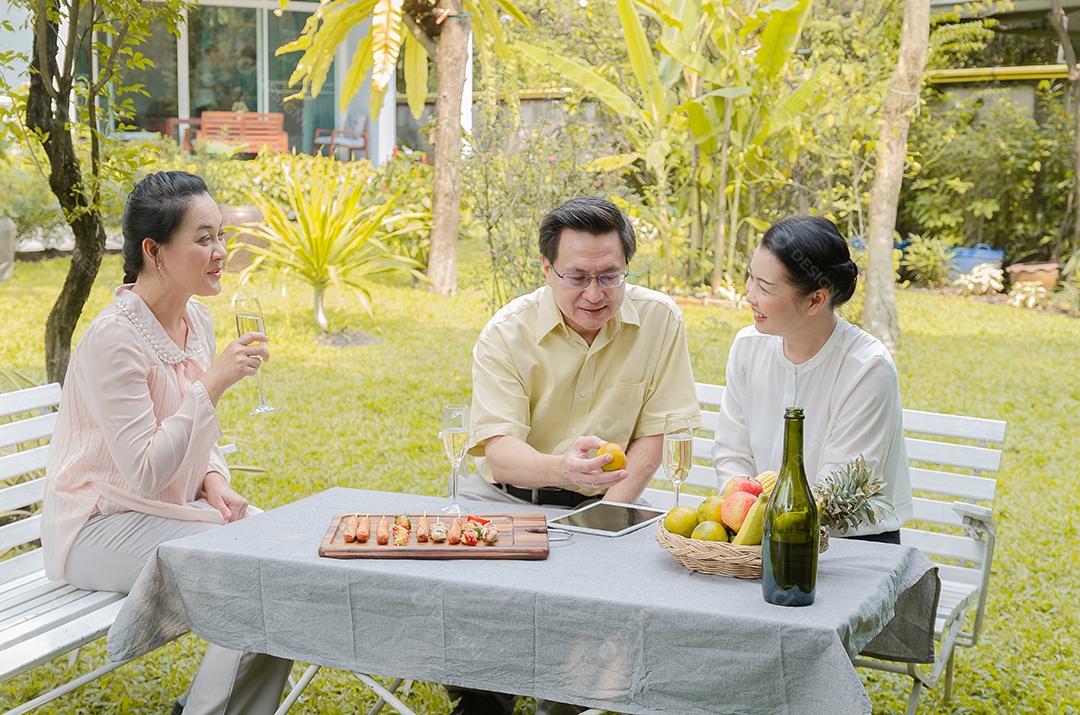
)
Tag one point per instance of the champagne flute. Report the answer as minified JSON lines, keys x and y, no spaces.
{"x":249,"y":319}
{"x":678,"y":449}
{"x":455,"y":437}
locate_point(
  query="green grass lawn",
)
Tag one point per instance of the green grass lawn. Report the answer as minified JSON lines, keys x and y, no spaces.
{"x":368,"y":417}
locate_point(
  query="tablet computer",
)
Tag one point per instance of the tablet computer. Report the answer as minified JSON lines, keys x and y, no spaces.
{"x":606,"y":518}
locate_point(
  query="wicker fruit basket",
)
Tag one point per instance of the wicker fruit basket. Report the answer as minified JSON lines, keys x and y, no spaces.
{"x":716,"y":557}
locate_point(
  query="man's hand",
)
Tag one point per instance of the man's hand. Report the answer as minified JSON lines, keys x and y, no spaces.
{"x":585,"y":471}
{"x":515,"y":462}
{"x":220,"y":495}
{"x":642,"y":461}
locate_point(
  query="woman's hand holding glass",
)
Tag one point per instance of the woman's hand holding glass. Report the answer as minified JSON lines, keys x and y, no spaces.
{"x":249,"y":322}
{"x":239,"y":359}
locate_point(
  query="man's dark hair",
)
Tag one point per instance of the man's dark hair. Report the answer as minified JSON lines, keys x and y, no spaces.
{"x":590,"y":214}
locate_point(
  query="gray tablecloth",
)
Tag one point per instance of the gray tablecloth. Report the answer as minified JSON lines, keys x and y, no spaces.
{"x":611,"y":623}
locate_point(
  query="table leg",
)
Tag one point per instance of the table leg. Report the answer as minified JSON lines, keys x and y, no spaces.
{"x":385,"y":694}
{"x":379,"y":705}
{"x":294,"y":694}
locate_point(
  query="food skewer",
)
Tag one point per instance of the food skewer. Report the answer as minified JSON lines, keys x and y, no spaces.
{"x":348,"y":528}
{"x":363,"y":529}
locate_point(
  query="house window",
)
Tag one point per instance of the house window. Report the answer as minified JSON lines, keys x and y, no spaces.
{"x":158,"y":81}
{"x":222,"y":59}
{"x":231,"y":66}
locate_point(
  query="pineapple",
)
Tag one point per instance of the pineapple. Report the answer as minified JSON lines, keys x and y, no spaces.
{"x":851,"y":496}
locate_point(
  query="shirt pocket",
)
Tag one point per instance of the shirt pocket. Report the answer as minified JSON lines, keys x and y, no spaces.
{"x":617,"y":410}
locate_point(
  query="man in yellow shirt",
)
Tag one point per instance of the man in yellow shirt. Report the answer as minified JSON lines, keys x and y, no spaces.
{"x":584,"y":360}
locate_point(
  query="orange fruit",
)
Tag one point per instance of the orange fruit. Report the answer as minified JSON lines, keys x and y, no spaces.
{"x":711,"y":509}
{"x":709,"y":531}
{"x":681,"y":520}
{"x":618,"y":457}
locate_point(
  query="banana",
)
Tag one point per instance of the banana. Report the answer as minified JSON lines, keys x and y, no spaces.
{"x":767,"y":480}
{"x":750,"y":533}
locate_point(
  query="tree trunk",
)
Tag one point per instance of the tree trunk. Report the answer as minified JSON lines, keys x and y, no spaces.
{"x":1058,"y":22}
{"x":718,"y":275}
{"x":47,"y":114}
{"x":1076,"y":160}
{"x":879,"y":309}
{"x":320,"y":310}
{"x":451,"y":58}
{"x":696,"y":230}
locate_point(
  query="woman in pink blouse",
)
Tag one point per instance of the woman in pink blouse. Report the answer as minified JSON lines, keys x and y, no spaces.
{"x":134,"y":460}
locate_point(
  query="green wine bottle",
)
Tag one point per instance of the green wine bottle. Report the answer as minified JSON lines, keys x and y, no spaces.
{"x":789,"y":546}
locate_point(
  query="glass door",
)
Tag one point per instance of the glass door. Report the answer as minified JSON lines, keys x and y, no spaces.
{"x":302,"y":117}
{"x":222,"y":59}
{"x":151,"y":113}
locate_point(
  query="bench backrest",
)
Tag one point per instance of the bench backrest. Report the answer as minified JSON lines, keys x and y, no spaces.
{"x":928,"y":458}
{"x":27,"y":419}
{"x":253,"y":130}
{"x":948,"y":458}
{"x":242,"y":124}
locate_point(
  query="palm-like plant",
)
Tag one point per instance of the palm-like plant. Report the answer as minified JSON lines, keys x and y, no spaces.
{"x":326,"y":236}
{"x":419,"y":28}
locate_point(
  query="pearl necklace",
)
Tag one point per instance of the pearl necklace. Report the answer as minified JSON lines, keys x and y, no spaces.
{"x":169,"y":354}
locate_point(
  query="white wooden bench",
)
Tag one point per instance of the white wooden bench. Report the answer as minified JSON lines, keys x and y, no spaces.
{"x":39,"y":619}
{"x":948,"y":456}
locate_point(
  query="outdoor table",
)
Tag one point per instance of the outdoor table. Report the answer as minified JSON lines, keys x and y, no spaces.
{"x":613,"y":623}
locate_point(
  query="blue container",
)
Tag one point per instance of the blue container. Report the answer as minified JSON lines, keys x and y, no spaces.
{"x":858,"y":245}
{"x":964,"y":260}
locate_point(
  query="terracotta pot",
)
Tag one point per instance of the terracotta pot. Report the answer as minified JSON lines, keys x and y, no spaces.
{"x":1045,"y":273}
{"x":235,"y":216}
{"x":7,"y":248}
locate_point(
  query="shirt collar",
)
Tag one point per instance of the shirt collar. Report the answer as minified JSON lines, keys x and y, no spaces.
{"x":151,"y":331}
{"x":550,"y":317}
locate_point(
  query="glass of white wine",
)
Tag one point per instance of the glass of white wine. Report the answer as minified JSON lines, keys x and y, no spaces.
{"x":678,"y":449}
{"x":455,"y":437}
{"x":249,"y":319}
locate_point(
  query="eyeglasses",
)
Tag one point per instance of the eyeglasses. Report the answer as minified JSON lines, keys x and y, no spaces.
{"x":581,"y":280}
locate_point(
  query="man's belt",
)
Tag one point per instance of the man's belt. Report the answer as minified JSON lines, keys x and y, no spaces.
{"x":546,"y":496}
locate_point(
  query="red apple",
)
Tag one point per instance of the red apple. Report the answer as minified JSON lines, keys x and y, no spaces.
{"x":733,"y":512}
{"x":741,"y":484}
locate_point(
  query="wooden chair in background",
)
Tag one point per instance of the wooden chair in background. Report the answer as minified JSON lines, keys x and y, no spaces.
{"x":251,"y":131}
{"x":348,"y":140}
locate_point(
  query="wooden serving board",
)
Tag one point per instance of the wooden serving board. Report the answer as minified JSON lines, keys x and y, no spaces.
{"x":521,"y":536}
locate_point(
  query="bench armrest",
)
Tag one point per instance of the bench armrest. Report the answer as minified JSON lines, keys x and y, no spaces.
{"x":979,"y":518}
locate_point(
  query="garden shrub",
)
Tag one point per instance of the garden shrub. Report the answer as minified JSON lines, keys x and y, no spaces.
{"x":26,"y":199}
{"x":926,"y":259}
{"x":410,"y":174}
{"x":514,"y":176}
{"x":986,"y":171}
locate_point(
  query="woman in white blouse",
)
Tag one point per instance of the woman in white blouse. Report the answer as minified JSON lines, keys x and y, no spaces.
{"x":134,"y":459}
{"x":799,"y":353}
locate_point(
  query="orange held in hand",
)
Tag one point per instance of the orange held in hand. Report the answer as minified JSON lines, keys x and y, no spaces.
{"x":618,"y":457}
